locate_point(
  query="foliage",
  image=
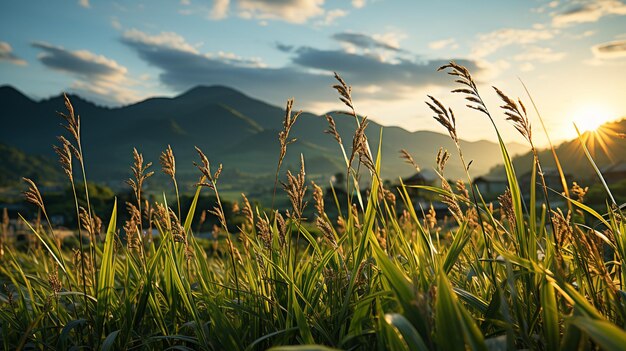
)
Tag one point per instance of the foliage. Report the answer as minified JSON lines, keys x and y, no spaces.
{"x":384,"y":276}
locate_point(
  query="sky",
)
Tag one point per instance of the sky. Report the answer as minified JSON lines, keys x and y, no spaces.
{"x":570,"y":54}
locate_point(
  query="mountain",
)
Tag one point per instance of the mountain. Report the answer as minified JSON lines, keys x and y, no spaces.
{"x":230,"y":127}
{"x":606,"y":145}
{"x":15,"y":164}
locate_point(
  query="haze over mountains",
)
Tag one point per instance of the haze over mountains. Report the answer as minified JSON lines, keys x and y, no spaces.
{"x":230,"y":127}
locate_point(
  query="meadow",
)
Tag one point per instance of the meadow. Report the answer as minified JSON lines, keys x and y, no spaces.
{"x":383,"y":274}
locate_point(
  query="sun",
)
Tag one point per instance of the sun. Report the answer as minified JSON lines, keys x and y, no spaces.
{"x":590,"y":117}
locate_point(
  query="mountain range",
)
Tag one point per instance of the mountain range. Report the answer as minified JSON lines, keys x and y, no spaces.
{"x":229,"y":126}
{"x":606,"y":145}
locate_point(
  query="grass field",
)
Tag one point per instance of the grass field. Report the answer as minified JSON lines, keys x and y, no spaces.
{"x":384,"y":275}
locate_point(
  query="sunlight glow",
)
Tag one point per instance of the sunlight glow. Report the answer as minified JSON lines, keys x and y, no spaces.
{"x":590,"y":117}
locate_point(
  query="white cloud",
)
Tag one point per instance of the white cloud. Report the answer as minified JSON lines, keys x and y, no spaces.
{"x":527,"y":67}
{"x":95,"y":74}
{"x":185,"y":2}
{"x":115,"y":23}
{"x":539,"y":54}
{"x":491,"y":42}
{"x":588,"y":11}
{"x":220,"y":9}
{"x":449,"y":43}
{"x":7,"y":55}
{"x":165,"y":39}
{"x":294,"y":11}
{"x":331,"y":16}
{"x":611,"y":50}
{"x":358,"y":4}
{"x":84,"y":3}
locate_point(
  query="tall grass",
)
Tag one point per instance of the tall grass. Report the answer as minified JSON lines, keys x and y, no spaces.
{"x":383,"y":275}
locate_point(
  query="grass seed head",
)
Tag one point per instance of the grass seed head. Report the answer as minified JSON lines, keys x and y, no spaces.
{"x":168,"y":162}
{"x":33,"y":195}
{"x":516,"y":114}
{"x":406,"y":156}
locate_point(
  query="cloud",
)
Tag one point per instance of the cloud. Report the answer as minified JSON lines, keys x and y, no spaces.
{"x":284,"y":47}
{"x":308,"y":75}
{"x":331,"y":16}
{"x":115,"y":23}
{"x":84,"y":3}
{"x":527,"y":67}
{"x":588,"y":11}
{"x":165,"y":39}
{"x":357,"y":4}
{"x":294,"y":11}
{"x":95,"y":74}
{"x":539,"y":54}
{"x":7,"y":55}
{"x":219,"y":9}
{"x":368,"y":70}
{"x":365,"y":41}
{"x":610,"y":50}
{"x":491,"y":42}
{"x":449,"y":43}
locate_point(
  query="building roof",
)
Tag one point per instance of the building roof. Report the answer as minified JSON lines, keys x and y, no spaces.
{"x":422,"y":176}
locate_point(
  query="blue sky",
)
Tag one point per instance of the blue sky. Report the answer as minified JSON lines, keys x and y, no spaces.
{"x":571,"y":54}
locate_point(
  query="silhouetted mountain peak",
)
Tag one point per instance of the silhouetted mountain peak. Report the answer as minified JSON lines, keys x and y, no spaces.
{"x":212,"y":92}
{"x":9,"y":93}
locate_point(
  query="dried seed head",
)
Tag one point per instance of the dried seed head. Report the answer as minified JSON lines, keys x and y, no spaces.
{"x":359,"y":146}
{"x":178,"y":231}
{"x":189,"y":253}
{"x":444,"y":116}
{"x":73,"y":122}
{"x":345,"y":93}
{"x":460,"y":187}
{"x":283,"y":135}
{"x":247,"y":210}
{"x":515,"y":115}
{"x":449,"y":198}
{"x":161,"y":215}
{"x":263,"y":230}
{"x":389,"y":196}
{"x":140,"y":174}
{"x":207,"y":178}
{"x":332,"y":129}
{"x":506,"y":204}
{"x":91,"y":224}
{"x":406,"y":156}
{"x":318,"y":196}
{"x":562,"y":227}
{"x":65,"y":156}
{"x":430,"y":219}
{"x":341,"y":225}
{"x":469,"y":89}
{"x":327,"y":231}
{"x":296,"y":189}
{"x":579,"y":191}
{"x":282,"y":228}
{"x":33,"y":195}
{"x":442,"y":158}
{"x":55,"y":283}
{"x":168,"y":162}
{"x":217,"y":212}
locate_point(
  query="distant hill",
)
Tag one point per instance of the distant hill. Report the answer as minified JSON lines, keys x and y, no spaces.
{"x":15,"y":164}
{"x":231,"y":128}
{"x":605,"y":145}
